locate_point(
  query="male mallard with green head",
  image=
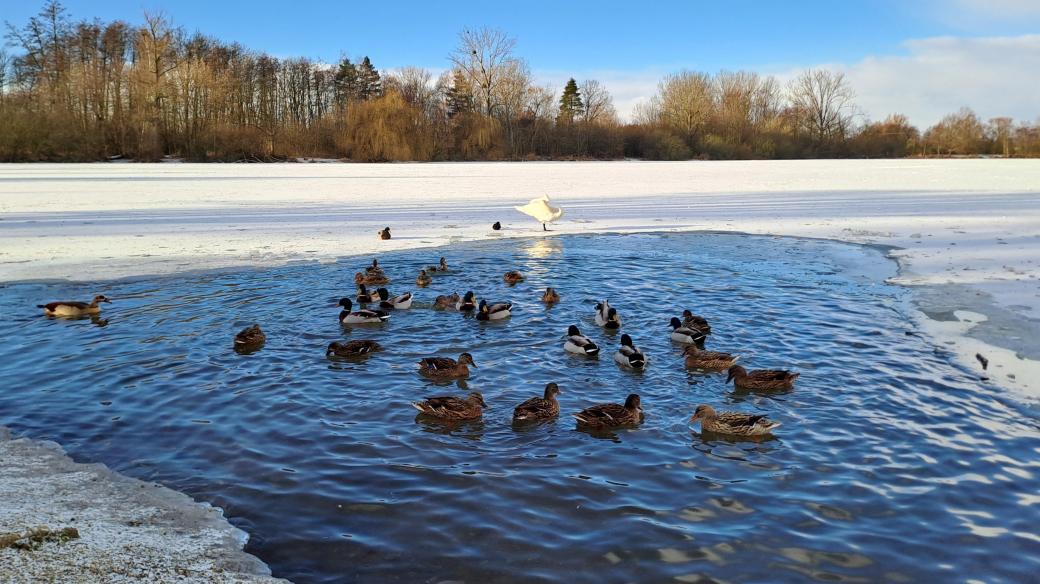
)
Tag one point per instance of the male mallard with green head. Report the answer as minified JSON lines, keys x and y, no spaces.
{"x":539,"y":408}
{"x":628,"y":355}
{"x":762,"y":379}
{"x":732,"y":423}
{"x":446,"y":368}
{"x":605,"y":416}
{"x":607,"y":316}
{"x":496,"y":311}
{"x":73,"y":308}
{"x":452,"y":408}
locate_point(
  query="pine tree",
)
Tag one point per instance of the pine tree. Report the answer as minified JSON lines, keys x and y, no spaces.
{"x":571,"y":105}
{"x":370,"y":85}
{"x":346,"y":81}
{"x":459,"y":97}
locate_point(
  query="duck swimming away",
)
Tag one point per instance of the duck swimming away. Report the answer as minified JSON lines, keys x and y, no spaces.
{"x":761,"y":380}
{"x":446,"y":368}
{"x":537,"y":409}
{"x":355,"y":348}
{"x":732,"y":423}
{"x":579,"y":344}
{"x":607,"y":316}
{"x":496,"y":311}
{"x":628,"y":355}
{"x":363,"y":316}
{"x":452,"y":408}
{"x":606,"y":416}
{"x":250,"y":339}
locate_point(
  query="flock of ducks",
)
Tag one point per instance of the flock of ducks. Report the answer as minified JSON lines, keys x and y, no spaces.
{"x":376,"y":307}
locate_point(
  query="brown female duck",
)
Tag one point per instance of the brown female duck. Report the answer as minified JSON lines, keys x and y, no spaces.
{"x":371,"y":279}
{"x":384,"y":233}
{"x":441,"y":267}
{"x":551,"y":296}
{"x":250,"y":339}
{"x":732,"y":423}
{"x":447,"y":302}
{"x":539,"y":408}
{"x":606,"y":416}
{"x":423,"y":279}
{"x":708,"y":360}
{"x":762,"y":379}
{"x":356,"y":348}
{"x":513,"y":277}
{"x":452,"y":408}
{"x":696,"y":323}
{"x":446,"y":368}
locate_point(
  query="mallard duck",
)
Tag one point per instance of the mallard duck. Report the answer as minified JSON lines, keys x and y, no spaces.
{"x":351,"y":348}
{"x":371,"y":279}
{"x":579,"y":343}
{"x":551,"y":296}
{"x":445,"y":368}
{"x":607,"y":316}
{"x":399,"y":302}
{"x":696,"y":323}
{"x":539,"y":408}
{"x":496,"y":226}
{"x":513,"y":277}
{"x":441,"y":267}
{"x":363,"y":316}
{"x":612,"y":415}
{"x":374,"y":269}
{"x":496,"y":311}
{"x":446,"y":302}
{"x":732,"y":423}
{"x":73,"y":308}
{"x":364,"y":296}
{"x":384,"y":233}
{"x":681,"y":334}
{"x":712,"y":360}
{"x":467,"y":302}
{"x":762,"y":379}
{"x":250,"y":338}
{"x":423,"y":279}
{"x":628,"y":355}
{"x":453,"y":408}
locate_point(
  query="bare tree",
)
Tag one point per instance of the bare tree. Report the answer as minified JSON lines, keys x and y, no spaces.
{"x":599,"y":105}
{"x":685,"y":101}
{"x":823,"y":104}
{"x":1000,"y":131}
{"x":416,"y":86}
{"x":485,"y":55}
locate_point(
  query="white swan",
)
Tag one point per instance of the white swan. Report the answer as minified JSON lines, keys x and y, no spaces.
{"x":541,"y":210}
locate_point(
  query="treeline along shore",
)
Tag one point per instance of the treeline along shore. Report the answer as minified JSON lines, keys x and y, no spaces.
{"x":88,"y":90}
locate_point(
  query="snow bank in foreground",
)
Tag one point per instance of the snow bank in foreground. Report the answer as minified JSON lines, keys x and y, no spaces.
{"x":965,"y":223}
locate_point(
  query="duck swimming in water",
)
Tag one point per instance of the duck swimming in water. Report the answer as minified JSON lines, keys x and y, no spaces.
{"x":371,"y":279}
{"x":696,"y":323}
{"x":446,"y":302}
{"x":250,"y":339}
{"x":496,"y":311}
{"x":761,"y":380}
{"x":446,"y":368}
{"x":423,"y":279}
{"x":696,"y":358}
{"x":606,"y":416}
{"x":513,"y":277}
{"x":579,"y":344}
{"x":607,"y":317}
{"x":363,"y":316}
{"x":364,"y":296}
{"x":733,"y":423}
{"x":628,"y":355}
{"x":551,"y":296}
{"x":399,"y":302}
{"x":681,"y":334}
{"x":354,"y":348}
{"x":466,"y":303}
{"x":537,"y":409}
{"x":74,"y":309}
{"x":441,"y":267}
{"x":451,"y":408}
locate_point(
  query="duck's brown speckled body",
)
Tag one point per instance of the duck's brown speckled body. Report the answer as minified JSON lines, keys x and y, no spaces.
{"x":761,"y":380}
{"x":733,"y":423}
{"x":539,"y":408}
{"x":355,"y":348}
{"x":708,"y":360}
{"x":606,"y":416}
{"x":446,"y":368}
{"x":453,"y":408}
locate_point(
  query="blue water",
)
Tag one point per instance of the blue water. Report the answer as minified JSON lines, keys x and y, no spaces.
{"x":892,"y":464}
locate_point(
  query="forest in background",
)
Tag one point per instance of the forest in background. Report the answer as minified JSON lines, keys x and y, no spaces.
{"x":92,"y":90}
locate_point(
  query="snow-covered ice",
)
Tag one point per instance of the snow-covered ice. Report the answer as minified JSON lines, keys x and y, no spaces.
{"x":961,"y":225}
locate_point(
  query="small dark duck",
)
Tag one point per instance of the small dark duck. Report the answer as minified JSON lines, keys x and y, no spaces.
{"x":374,"y":269}
{"x":452,"y":408}
{"x":537,"y":409}
{"x":384,"y":234}
{"x":696,"y":323}
{"x":73,"y":308}
{"x":371,"y":279}
{"x":423,"y":279}
{"x":364,"y":296}
{"x":762,"y":379}
{"x":355,"y":348}
{"x":513,"y":277}
{"x":250,"y":339}
{"x":708,"y":360}
{"x":732,"y":423}
{"x":447,"y":302}
{"x":551,"y":296}
{"x":496,"y":226}
{"x":446,"y":368}
{"x":606,"y":416}
{"x":441,"y":267}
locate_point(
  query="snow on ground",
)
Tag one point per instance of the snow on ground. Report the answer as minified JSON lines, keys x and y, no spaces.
{"x":966,"y":229}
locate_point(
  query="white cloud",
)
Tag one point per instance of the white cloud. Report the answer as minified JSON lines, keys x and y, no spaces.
{"x":995,"y":76}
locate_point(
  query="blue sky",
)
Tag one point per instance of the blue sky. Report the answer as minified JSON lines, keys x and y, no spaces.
{"x":628,"y":45}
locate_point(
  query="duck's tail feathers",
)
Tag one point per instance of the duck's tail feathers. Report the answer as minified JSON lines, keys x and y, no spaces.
{"x":773,"y":425}
{"x":418,"y":407}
